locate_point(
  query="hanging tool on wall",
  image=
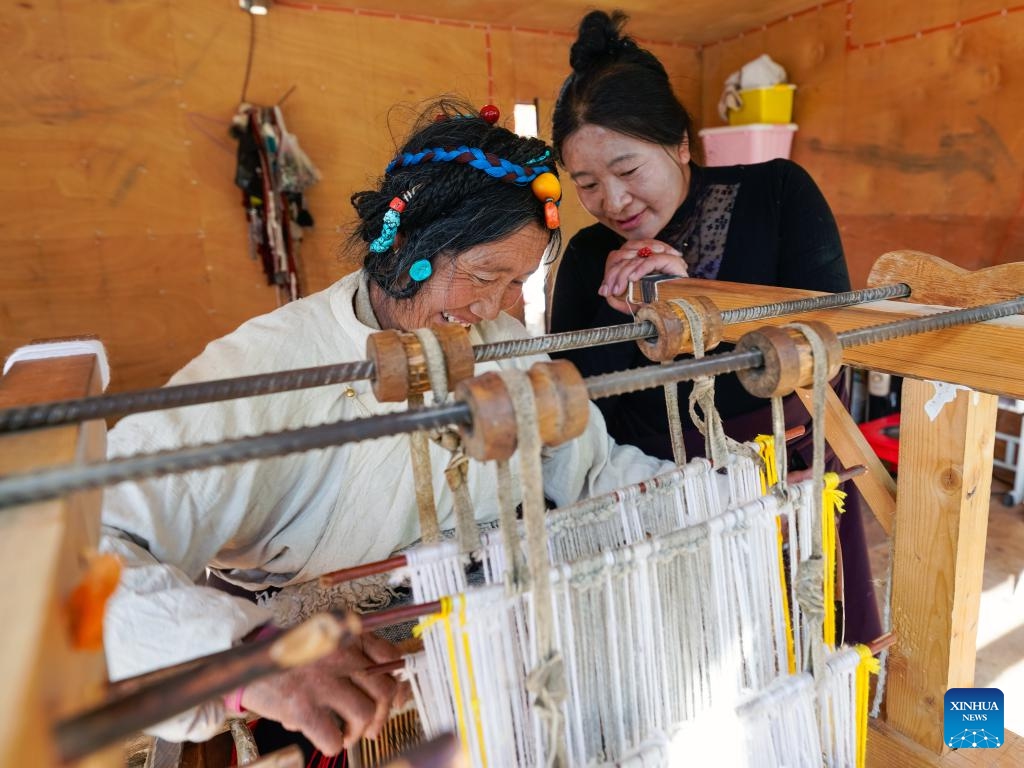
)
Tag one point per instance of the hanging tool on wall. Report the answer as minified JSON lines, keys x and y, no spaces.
{"x":273,"y":173}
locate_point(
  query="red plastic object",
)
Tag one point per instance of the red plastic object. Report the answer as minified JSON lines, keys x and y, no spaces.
{"x":883,"y":435}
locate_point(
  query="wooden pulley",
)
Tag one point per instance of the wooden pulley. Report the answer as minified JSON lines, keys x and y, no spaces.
{"x":459,"y":361}
{"x":673,"y":327}
{"x":390,"y":366}
{"x":563,"y":405}
{"x":400,"y":366}
{"x":788,"y":361}
{"x":562,"y":409}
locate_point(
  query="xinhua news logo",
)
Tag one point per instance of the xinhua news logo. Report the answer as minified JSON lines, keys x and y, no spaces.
{"x":974,"y":718}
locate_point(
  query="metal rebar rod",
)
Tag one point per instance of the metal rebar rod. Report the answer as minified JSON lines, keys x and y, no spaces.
{"x":179,"y":395}
{"x":52,"y":483}
{"x":176,"y":396}
{"x":874,"y":334}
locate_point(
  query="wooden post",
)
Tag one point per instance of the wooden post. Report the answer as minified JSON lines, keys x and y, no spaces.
{"x":942,"y":504}
{"x":42,"y":558}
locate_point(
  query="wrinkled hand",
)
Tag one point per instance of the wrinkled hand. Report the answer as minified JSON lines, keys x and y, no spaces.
{"x":312,"y":698}
{"x":624,"y":266}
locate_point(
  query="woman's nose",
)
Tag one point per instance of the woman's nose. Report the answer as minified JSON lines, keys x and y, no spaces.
{"x":617,"y":197}
{"x":488,"y":305}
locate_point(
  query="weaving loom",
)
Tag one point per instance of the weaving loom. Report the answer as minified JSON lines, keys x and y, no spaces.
{"x":630,"y":541}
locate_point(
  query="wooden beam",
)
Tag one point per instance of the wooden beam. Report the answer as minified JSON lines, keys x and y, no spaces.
{"x":41,"y":556}
{"x":949,"y":355}
{"x":935,"y":281}
{"x":876,"y":485}
{"x":942,"y":505}
{"x":887,"y":748}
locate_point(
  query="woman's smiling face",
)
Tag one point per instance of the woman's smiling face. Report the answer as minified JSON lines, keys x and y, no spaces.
{"x":476,"y":285}
{"x":631,"y":186}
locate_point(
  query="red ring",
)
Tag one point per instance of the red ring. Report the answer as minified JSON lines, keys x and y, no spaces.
{"x":644,"y":252}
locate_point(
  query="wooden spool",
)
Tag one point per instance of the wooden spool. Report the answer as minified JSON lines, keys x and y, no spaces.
{"x":390,"y":366}
{"x":562,"y":409}
{"x":459,"y":361}
{"x":400,"y":364}
{"x":673,"y":327}
{"x":788,"y":361}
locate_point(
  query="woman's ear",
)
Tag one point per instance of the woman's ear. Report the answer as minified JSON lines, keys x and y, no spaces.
{"x":683,"y":151}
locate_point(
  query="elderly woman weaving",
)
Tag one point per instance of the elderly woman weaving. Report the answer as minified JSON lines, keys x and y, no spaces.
{"x":460,"y":219}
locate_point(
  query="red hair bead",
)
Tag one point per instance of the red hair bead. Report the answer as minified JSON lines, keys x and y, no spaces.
{"x":551,"y":214}
{"x":490,"y":113}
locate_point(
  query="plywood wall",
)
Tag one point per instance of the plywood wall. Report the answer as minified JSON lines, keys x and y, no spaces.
{"x":911,"y":119}
{"x":118,"y":213}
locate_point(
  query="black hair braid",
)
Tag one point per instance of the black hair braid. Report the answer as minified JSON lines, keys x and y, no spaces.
{"x":453,"y":207}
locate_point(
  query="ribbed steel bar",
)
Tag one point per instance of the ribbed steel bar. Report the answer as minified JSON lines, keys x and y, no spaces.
{"x":828,"y":301}
{"x":648,"y":377}
{"x":874,"y":334}
{"x":52,"y":483}
{"x":102,"y":406}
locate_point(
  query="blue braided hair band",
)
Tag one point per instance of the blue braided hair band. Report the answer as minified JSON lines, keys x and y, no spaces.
{"x":494,"y":166}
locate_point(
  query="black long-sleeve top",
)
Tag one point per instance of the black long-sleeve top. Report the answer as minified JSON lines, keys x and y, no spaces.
{"x":764,"y":224}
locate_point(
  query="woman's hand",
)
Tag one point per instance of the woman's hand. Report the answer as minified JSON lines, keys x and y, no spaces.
{"x":312,"y":698}
{"x":633,"y":260}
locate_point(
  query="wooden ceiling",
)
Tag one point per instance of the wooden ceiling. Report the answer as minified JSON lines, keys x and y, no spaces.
{"x":692,"y":22}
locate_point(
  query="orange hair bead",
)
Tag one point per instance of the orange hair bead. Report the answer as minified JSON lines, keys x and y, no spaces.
{"x":547,"y":187}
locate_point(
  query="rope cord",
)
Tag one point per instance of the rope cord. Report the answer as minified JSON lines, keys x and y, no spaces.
{"x":456,"y":474}
{"x":811,"y":574}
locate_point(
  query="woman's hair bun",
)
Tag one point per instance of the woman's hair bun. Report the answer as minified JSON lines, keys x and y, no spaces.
{"x":599,"y":40}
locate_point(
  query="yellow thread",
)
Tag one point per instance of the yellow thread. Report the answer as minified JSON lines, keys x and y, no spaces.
{"x":434,"y":618}
{"x":868,"y":665}
{"x":769,"y":472}
{"x":832,"y":501}
{"x":790,"y":652}
{"x":445,"y":617}
{"x":770,"y":476}
{"x":474,"y":699}
{"x":453,"y":660}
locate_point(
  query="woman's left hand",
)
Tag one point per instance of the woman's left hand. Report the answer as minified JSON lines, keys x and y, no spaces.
{"x":635,"y":259}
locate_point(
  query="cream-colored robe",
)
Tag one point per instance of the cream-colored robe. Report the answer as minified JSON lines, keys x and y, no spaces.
{"x":287,"y":520}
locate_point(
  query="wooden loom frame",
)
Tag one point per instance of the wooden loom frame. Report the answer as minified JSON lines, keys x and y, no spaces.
{"x":942,"y":496}
{"x":941,"y":503}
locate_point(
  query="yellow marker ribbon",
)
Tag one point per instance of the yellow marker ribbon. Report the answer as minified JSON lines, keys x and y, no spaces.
{"x":474,"y":698}
{"x":769,"y":477}
{"x":832,"y":501}
{"x":869,"y":665}
{"x":444,"y":617}
{"x":769,"y":471}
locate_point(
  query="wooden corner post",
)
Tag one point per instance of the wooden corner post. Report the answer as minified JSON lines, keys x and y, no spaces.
{"x":942,"y":505}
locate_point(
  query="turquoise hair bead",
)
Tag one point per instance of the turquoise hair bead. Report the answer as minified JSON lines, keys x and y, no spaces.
{"x":420,"y":270}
